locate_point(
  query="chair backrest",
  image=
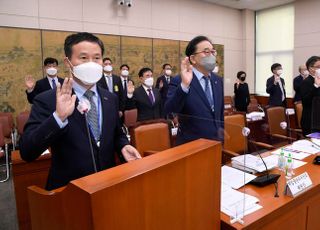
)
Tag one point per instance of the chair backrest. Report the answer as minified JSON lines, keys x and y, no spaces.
{"x":10,"y":118}
{"x":22,"y":119}
{"x":151,"y":137}
{"x":276,"y":115}
{"x":233,"y":138}
{"x":2,"y":143}
{"x":298,"y":111}
{"x":4,"y":121}
{"x":130,"y":117}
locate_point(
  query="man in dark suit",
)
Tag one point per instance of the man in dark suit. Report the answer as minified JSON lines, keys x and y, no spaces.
{"x":310,"y":91}
{"x":276,"y":87}
{"x":297,"y":81}
{"x":50,"y":67}
{"x":146,"y":99}
{"x":54,"y":122}
{"x":164,"y":81}
{"x":112,"y":83}
{"x":197,"y":94}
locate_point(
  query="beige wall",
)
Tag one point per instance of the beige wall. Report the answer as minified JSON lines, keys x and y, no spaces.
{"x":170,"y":19}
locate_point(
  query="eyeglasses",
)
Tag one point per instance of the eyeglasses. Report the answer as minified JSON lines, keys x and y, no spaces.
{"x":208,"y":52}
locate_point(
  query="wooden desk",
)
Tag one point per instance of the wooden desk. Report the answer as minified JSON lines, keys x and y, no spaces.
{"x":284,"y":212}
{"x":24,"y":175}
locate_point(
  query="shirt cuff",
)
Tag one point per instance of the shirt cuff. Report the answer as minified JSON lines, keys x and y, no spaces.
{"x":315,"y":85}
{"x":58,"y":120}
{"x":184,"y":88}
{"x":129,"y":95}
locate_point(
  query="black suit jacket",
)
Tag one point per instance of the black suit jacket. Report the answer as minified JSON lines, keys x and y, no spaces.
{"x":141,"y":101}
{"x":71,"y":158}
{"x":41,"y":86}
{"x":117,"y":89}
{"x":297,"y":81}
{"x":274,"y":90}
{"x":308,"y":94}
{"x":164,"y":90}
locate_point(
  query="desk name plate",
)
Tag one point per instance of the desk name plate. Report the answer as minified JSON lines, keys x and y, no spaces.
{"x":298,"y":184}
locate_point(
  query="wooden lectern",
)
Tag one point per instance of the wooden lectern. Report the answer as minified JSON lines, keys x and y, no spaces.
{"x":178,"y":188}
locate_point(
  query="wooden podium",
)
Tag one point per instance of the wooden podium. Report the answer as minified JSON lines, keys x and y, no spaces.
{"x":175,"y":189}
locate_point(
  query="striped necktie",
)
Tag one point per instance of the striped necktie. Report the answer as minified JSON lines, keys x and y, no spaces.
{"x":93,"y":115}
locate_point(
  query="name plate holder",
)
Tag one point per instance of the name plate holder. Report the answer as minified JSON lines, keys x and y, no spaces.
{"x":298,"y":185}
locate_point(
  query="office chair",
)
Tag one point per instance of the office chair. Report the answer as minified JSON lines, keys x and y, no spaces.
{"x":4,"y":153}
{"x":275,"y":117}
{"x":21,"y":120}
{"x":151,"y":137}
{"x":130,"y":117}
{"x":9,"y":129}
{"x":235,"y":143}
{"x":228,"y":105}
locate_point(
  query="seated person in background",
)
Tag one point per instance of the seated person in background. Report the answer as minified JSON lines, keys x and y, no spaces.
{"x":297,"y":81}
{"x":241,"y":92}
{"x":112,"y":83}
{"x":146,"y":99}
{"x":50,"y":67}
{"x":310,"y":89}
{"x":57,"y":119}
{"x":164,"y":81}
{"x":276,"y":87}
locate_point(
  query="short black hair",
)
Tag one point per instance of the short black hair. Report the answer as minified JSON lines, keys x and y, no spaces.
{"x":50,"y":60}
{"x":240,"y":73}
{"x":74,"y":39}
{"x":107,"y":59}
{"x":192,"y":45}
{"x":164,"y":65}
{"x":143,"y":70}
{"x":311,"y":61}
{"x":124,"y":65}
{"x":274,"y":66}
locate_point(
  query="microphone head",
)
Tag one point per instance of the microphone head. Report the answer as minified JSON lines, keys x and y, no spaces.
{"x":245,"y":131}
{"x":283,"y":125}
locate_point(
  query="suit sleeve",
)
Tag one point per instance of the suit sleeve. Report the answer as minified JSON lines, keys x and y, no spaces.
{"x":176,"y":97}
{"x":158,"y":83}
{"x":35,"y":92}
{"x":40,"y":131}
{"x":296,"y":85}
{"x":270,"y":85}
{"x":308,"y":91}
{"x":248,"y":95}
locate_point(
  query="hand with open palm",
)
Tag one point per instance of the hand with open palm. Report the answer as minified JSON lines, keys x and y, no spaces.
{"x":186,"y":72}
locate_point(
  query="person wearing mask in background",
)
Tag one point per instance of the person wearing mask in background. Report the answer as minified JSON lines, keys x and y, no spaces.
{"x":297,"y":81}
{"x":310,"y":90}
{"x":241,"y":92}
{"x":112,"y":83}
{"x":164,"y":81}
{"x":50,"y":67}
{"x":276,"y":87}
{"x":124,"y":76}
{"x":62,"y":119}
{"x":196,"y":96}
{"x":146,"y":99}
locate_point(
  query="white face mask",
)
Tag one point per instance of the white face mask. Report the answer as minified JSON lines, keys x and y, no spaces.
{"x":88,"y":73}
{"x":124,"y":73}
{"x":108,"y":68}
{"x":168,"y":72}
{"x":149,"y":82}
{"x":279,"y":72}
{"x":51,"y":71}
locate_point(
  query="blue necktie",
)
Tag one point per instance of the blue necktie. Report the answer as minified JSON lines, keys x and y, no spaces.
{"x":93,"y":115}
{"x":208,"y":93}
{"x":53,"y":84}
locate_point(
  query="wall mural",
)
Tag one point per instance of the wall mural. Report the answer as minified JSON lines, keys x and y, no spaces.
{"x":22,"y":52}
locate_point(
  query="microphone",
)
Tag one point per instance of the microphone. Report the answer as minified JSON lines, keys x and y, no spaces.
{"x":83,"y":107}
{"x":267,"y":178}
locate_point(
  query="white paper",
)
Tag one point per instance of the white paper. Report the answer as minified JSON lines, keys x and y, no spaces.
{"x":255,"y":162}
{"x":305,"y":146}
{"x":290,"y":111}
{"x":255,"y":115}
{"x":234,"y":177}
{"x":294,"y":153}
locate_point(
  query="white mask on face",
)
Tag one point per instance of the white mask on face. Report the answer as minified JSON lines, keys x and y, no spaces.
{"x":51,"y":71}
{"x":168,"y":72}
{"x":108,"y":68}
{"x":88,"y":73}
{"x":149,"y":82}
{"x":124,"y":73}
{"x":279,"y":72}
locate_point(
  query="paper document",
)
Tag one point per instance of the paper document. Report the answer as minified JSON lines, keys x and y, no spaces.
{"x":255,"y":162}
{"x":305,"y":146}
{"x":234,"y":177}
{"x":255,"y":116}
{"x":290,"y":111}
{"x":235,"y":203}
{"x":294,"y":153}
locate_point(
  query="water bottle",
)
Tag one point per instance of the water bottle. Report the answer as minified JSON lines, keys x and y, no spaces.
{"x":281,"y":161}
{"x":289,"y":167}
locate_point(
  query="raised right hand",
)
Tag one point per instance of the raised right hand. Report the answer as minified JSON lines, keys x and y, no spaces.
{"x":65,"y":100}
{"x":186,"y":72}
{"x":29,"y":82}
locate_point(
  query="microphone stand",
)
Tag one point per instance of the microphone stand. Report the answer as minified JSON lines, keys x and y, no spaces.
{"x":90,"y":144}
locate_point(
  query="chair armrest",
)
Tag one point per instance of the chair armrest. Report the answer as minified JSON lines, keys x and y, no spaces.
{"x":230,"y":153}
{"x":262,"y":144}
{"x":149,"y":152}
{"x":283,"y":137}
